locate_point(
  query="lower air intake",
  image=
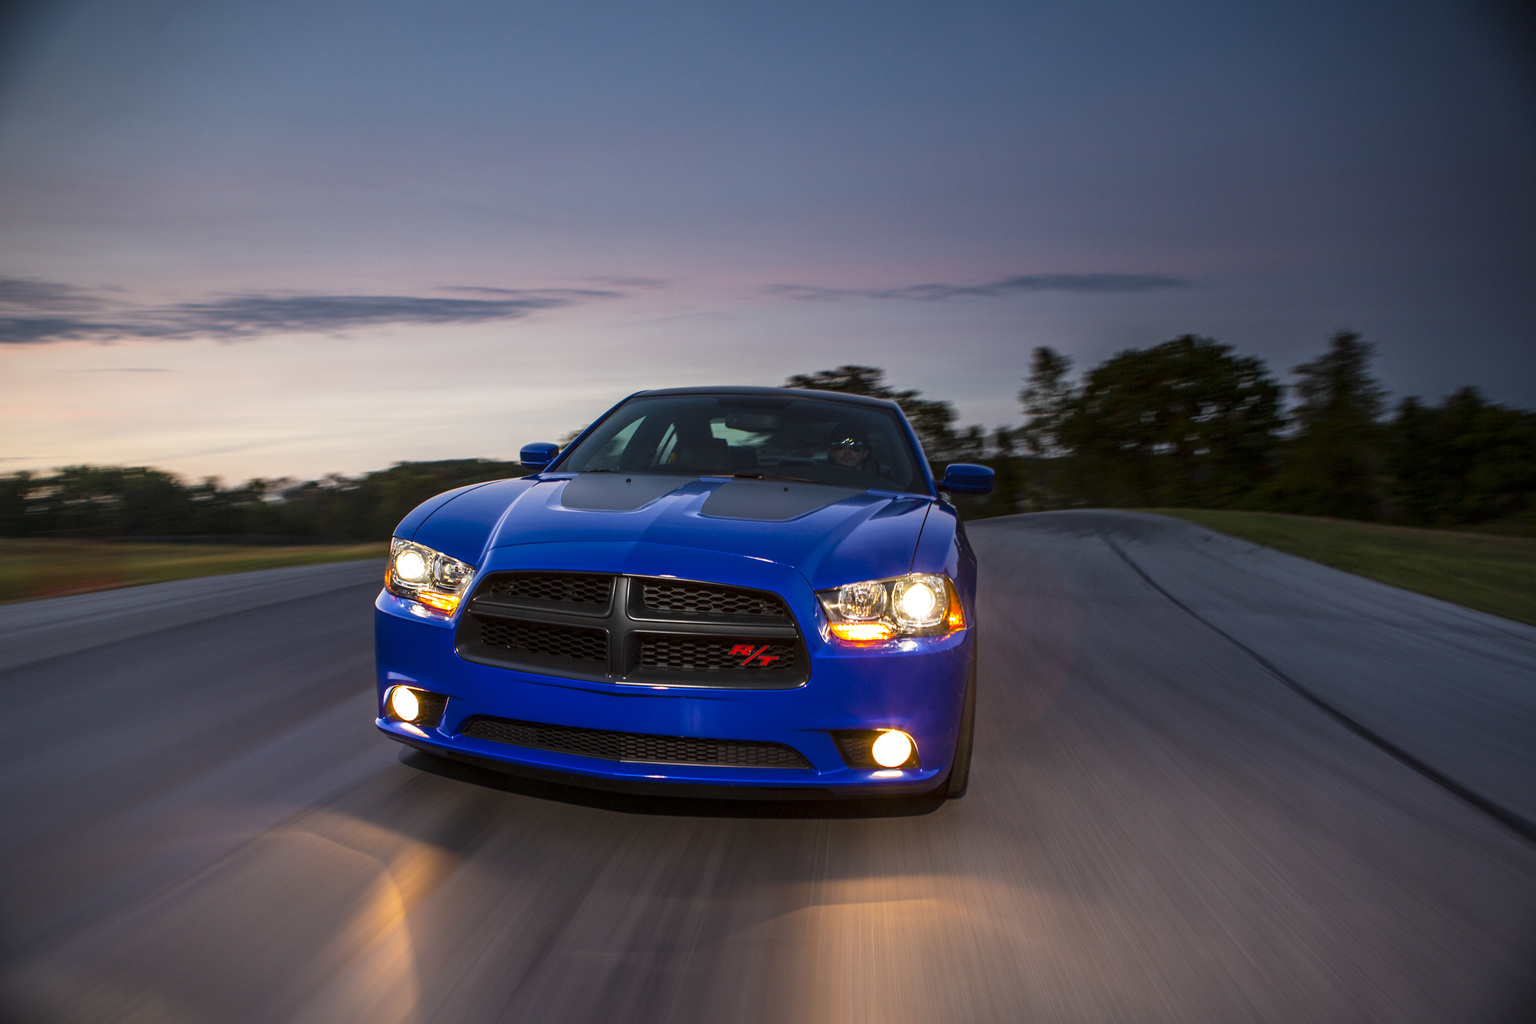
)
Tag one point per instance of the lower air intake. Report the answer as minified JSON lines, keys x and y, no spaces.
{"x":631,"y":746}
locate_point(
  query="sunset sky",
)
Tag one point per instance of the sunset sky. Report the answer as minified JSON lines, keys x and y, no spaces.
{"x":286,"y":239}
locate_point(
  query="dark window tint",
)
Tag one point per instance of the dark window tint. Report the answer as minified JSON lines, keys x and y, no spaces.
{"x":825,"y":442}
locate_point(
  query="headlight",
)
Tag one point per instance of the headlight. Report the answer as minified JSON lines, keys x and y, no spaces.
{"x":420,"y":574}
{"x":878,"y":610}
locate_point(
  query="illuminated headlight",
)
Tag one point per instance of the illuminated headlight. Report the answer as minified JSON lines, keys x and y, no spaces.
{"x":420,"y":574}
{"x":919,"y":602}
{"x":877,"y":610}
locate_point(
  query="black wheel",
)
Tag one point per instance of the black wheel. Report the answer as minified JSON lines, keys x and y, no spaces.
{"x":960,"y":774}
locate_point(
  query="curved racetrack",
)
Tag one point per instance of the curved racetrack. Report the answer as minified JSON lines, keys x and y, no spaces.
{"x":1212,"y":783}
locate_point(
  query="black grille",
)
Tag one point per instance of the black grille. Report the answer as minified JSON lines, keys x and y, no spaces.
{"x":551,"y":587}
{"x":544,"y":639}
{"x":716,"y":654}
{"x":696,"y":599}
{"x":630,"y":746}
{"x":633,"y":629}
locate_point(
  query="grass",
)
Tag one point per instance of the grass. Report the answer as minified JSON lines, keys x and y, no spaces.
{"x":1486,"y":571}
{"x":49,"y":568}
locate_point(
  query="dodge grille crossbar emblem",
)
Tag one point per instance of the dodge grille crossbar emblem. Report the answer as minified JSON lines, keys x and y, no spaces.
{"x":753,"y":654}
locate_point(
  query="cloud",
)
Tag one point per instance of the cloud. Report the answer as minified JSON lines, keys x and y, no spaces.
{"x":27,"y":330}
{"x":30,"y":293}
{"x":42,"y":312}
{"x":575,"y":294}
{"x":1099,"y":283}
{"x":243,"y":316}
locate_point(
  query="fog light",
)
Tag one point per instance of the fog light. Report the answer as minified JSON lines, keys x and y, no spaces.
{"x":892,"y":749}
{"x":404,"y":706}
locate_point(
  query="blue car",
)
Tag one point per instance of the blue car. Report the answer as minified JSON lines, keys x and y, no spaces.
{"x":712,"y":591}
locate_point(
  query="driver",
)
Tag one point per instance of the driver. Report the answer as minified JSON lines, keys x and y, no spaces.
{"x":850,"y":449}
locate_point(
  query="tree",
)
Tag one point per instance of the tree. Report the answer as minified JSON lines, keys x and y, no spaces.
{"x":368,"y":507}
{"x":1333,"y":461}
{"x":1047,"y":398}
{"x":111,"y":501}
{"x":1463,"y":461}
{"x":868,"y":381}
{"x":13,"y":504}
{"x":1186,"y":422}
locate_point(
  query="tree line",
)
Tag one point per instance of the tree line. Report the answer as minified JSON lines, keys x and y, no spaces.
{"x":1188,"y":423}
{"x":1191,"y":423}
{"x":138,"y":502}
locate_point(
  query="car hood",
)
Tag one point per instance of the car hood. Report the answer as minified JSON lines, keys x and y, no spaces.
{"x":829,"y":535}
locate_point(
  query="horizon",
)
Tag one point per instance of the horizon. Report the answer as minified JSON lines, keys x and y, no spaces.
{"x":225,"y":481}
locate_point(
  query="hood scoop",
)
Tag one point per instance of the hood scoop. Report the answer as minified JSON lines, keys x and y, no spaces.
{"x":618,"y":492}
{"x":772,"y":500}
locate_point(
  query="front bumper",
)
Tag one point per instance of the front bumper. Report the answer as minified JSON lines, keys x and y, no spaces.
{"x":916,"y":685}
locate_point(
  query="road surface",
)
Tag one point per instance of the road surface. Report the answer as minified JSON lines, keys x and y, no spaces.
{"x":1212,"y":783}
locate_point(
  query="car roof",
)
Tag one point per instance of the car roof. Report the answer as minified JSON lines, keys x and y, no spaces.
{"x":836,"y":396}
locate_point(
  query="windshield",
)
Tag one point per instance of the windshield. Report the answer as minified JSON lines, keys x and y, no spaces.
{"x":824,"y":442}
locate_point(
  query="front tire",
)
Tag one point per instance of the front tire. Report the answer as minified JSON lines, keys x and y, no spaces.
{"x":960,"y":773}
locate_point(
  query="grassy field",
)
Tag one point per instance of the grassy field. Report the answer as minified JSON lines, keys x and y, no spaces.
{"x":49,"y":568}
{"x":1485,"y":571}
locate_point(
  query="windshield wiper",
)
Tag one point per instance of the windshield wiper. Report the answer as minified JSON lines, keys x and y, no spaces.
{"x":771,"y":476}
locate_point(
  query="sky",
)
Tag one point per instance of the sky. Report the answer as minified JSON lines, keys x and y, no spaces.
{"x":288,"y":239}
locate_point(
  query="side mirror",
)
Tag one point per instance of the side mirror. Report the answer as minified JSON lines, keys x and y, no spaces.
{"x":965,"y":478}
{"x":540,"y":454}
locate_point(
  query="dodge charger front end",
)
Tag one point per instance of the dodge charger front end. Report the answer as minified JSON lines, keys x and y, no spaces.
{"x":739,"y":591}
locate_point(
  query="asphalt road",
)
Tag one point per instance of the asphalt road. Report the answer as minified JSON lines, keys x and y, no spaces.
{"x":1212,"y":783}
